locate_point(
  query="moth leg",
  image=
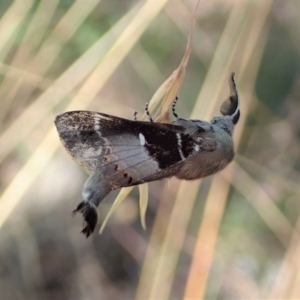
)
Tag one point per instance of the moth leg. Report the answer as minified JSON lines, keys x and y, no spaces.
{"x":173,"y":107}
{"x":148,"y":113}
{"x":95,"y":189}
{"x":134,"y":115}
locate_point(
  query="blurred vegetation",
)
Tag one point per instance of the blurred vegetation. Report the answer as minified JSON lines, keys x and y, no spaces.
{"x":231,"y":236}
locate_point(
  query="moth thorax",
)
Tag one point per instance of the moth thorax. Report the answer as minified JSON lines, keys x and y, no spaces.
{"x":224,"y":123}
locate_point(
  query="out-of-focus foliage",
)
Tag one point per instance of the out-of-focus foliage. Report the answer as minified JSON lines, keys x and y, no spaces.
{"x":231,"y":236}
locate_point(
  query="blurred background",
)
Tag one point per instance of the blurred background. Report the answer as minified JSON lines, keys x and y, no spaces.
{"x":235,"y":235}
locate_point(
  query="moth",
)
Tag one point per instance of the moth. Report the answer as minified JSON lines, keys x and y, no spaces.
{"x":118,"y":153}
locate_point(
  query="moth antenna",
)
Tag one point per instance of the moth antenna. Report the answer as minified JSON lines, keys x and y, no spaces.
{"x":134,"y":115}
{"x":231,"y":106}
{"x":173,"y":107}
{"x":148,"y":113}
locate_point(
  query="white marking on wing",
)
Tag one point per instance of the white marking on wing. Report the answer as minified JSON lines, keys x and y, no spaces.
{"x":179,"y":141}
{"x":97,"y":124}
{"x":91,"y":152}
{"x":142,"y":139}
{"x":102,"y":117}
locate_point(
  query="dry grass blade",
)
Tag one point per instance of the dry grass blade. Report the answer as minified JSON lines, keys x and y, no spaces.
{"x":180,"y":12}
{"x":43,"y":59}
{"x":62,"y":87}
{"x":116,"y":53}
{"x":143,"y":188}
{"x":118,"y":201}
{"x":176,"y":79}
{"x":10,"y":22}
{"x":235,"y":235}
{"x":166,"y":93}
{"x":208,"y":233}
{"x":262,"y":171}
{"x":139,"y":66}
{"x":26,"y":176}
{"x":286,"y":283}
{"x":163,"y":255}
{"x":264,"y":205}
{"x":30,"y":42}
{"x":226,"y":58}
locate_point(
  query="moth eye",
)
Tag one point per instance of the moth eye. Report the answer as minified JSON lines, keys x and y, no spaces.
{"x":126,"y":175}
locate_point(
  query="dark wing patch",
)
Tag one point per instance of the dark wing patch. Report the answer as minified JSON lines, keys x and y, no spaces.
{"x":127,"y":152}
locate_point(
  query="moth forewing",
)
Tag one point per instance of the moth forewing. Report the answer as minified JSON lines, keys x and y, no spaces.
{"x":118,"y":152}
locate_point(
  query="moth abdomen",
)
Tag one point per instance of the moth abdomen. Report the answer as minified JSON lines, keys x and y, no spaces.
{"x":95,"y":190}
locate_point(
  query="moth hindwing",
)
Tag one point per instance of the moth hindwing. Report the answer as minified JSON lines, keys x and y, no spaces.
{"x":118,"y":153}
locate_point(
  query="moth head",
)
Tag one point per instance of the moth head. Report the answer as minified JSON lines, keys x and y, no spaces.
{"x":230,"y":109}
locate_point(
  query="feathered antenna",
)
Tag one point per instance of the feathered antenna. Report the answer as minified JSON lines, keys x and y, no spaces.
{"x":231,"y":106}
